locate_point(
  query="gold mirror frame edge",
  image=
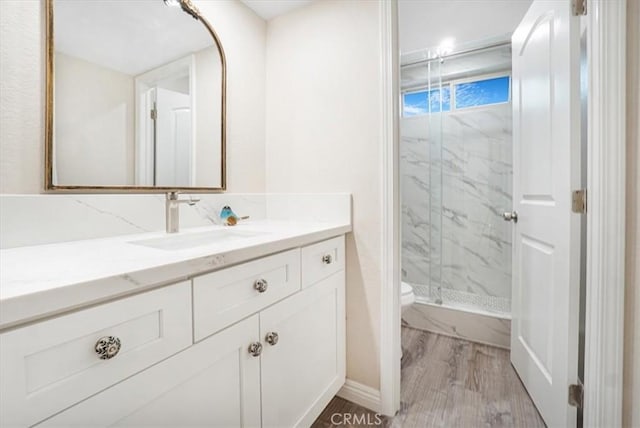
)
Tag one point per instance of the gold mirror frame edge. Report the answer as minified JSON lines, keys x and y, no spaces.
{"x":188,"y":7}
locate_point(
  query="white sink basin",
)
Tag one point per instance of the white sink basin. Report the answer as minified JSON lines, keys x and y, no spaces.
{"x":190,"y":240}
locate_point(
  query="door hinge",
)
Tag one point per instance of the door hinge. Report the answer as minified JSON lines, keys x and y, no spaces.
{"x":579,"y":201}
{"x":579,"y":7}
{"x":154,"y":114}
{"x":576,"y":395}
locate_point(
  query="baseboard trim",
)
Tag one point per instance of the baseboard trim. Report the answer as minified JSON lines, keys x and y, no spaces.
{"x":361,"y":395}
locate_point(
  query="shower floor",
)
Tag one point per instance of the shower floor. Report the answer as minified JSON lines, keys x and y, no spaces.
{"x":462,"y":300}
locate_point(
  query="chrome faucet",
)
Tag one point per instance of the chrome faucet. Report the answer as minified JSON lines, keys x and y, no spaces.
{"x":172,"y":209}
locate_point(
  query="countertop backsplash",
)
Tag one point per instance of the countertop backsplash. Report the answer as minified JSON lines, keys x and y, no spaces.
{"x":27,"y":220}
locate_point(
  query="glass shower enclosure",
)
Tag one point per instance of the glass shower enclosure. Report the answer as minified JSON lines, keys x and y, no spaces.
{"x":456,"y":177}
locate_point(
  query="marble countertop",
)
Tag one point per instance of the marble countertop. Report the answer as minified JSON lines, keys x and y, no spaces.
{"x":45,"y":280}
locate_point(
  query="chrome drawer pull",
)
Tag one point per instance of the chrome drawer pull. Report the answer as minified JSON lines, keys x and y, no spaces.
{"x":255,"y":349}
{"x":327,"y":259}
{"x":107,"y":347}
{"x":271,"y":338}
{"x":261,"y":285}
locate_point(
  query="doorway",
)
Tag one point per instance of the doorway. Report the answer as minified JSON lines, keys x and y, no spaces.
{"x":445,"y":267}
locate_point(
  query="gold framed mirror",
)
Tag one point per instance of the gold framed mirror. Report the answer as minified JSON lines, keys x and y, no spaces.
{"x":135,"y":98}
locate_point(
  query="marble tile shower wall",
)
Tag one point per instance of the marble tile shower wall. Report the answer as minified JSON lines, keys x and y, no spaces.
{"x":458,"y":194}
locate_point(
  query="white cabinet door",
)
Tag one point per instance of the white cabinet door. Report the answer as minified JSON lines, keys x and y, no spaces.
{"x":546,"y":251}
{"x":215,"y":383}
{"x":306,"y":367}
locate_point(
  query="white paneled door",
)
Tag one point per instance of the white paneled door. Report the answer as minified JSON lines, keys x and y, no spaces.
{"x":173,"y":138}
{"x":546,"y":114}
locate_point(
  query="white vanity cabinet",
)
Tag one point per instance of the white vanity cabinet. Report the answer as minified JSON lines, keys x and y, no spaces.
{"x":246,"y":358}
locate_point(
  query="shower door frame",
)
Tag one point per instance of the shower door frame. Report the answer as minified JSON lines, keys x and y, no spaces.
{"x":606,"y":183}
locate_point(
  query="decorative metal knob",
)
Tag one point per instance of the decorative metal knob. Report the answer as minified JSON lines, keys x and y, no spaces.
{"x":255,"y":349}
{"x":327,"y":259}
{"x":261,"y":285}
{"x":510,"y":216}
{"x":107,"y":347}
{"x":271,"y":338}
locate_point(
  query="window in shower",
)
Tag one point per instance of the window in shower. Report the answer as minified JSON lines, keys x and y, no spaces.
{"x":424,"y":102}
{"x":482,"y":92}
{"x":466,"y":94}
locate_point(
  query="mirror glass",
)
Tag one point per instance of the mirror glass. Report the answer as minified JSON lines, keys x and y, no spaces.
{"x":138,"y":96}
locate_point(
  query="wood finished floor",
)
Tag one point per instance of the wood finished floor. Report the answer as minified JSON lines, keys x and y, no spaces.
{"x":448,"y":382}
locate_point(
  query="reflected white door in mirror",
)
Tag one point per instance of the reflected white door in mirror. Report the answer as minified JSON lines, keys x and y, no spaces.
{"x":136,"y":97}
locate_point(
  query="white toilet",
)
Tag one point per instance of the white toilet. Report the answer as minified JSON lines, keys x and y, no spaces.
{"x":407,"y":298}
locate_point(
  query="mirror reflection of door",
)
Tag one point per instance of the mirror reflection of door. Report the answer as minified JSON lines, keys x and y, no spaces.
{"x":166,"y":141}
{"x":173,"y":138}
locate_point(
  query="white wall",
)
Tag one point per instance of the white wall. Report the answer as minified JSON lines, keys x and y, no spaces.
{"x":21,"y":96}
{"x":631,"y":413}
{"x":243,"y":37}
{"x":94,"y":124}
{"x":22,"y":60}
{"x":323,"y":111}
{"x":424,"y":24}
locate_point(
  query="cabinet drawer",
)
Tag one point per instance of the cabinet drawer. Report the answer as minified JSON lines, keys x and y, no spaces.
{"x":49,"y":366}
{"x":226,"y":296}
{"x":322,"y":260}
